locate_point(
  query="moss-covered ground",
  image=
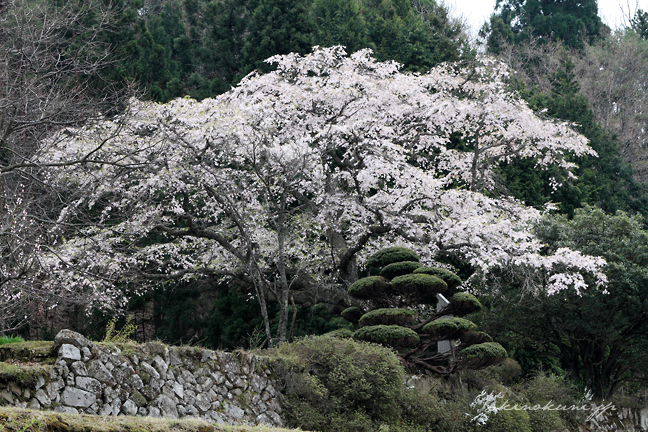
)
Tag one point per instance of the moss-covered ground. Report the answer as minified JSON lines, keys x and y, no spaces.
{"x":25,"y":420}
{"x":38,"y":351}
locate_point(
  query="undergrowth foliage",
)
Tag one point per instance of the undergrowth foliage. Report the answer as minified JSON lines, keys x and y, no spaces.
{"x":334,"y":384}
{"x":340,"y":385}
{"x":119,"y":336}
{"x":10,"y":339}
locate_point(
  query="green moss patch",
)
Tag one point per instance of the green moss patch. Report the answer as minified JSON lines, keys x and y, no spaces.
{"x":451,"y":279}
{"x":391,"y":335}
{"x":368,"y":288}
{"x":391,"y":255}
{"x":23,"y":375}
{"x":388,"y":316}
{"x":36,"y":351}
{"x":449,"y":328}
{"x":399,"y":268}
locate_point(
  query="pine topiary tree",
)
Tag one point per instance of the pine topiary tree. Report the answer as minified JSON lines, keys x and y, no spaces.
{"x":388,"y":314}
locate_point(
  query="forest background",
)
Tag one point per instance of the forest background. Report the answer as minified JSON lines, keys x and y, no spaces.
{"x":67,"y":64}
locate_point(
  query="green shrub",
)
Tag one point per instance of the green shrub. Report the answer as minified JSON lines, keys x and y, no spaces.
{"x":340,"y":333}
{"x":307,"y":416}
{"x":120,"y":336}
{"x":10,"y":339}
{"x":449,"y":328}
{"x":508,"y":371}
{"x":546,"y":421}
{"x":391,"y":255}
{"x":368,"y":288}
{"x":423,"y":286}
{"x":392,"y":335}
{"x":399,"y":268}
{"x":388,"y":316}
{"x":351,"y":382}
{"x":508,"y":421}
{"x":544,"y":388}
{"x":451,"y":279}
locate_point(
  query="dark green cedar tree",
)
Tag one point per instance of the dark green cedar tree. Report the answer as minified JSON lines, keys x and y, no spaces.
{"x":605,"y":181}
{"x":568,"y":21}
{"x":276,"y":27}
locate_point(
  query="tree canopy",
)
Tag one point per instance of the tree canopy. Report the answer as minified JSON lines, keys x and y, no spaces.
{"x":289,"y":180}
{"x":203,"y":47}
{"x":568,"y":21}
{"x":599,"y":338}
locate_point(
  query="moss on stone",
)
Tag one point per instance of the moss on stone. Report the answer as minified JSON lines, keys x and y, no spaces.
{"x":146,"y":378}
{"x":388,"y":316}
{"x":391,"y":335}
{"x":448,"y":328}
{"x":451,"y":279}
{"x":24,"y":375}
{"x":139,"y":399}
{"x":391,"y":255}
{"x":399,"y":268}
{"x":368,"y":288}
{"x":36,"y":351}
{"x":424,"y":287}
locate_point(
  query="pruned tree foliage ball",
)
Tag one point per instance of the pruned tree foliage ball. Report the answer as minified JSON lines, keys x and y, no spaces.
{"x":340,"y":333}
{"x":463,"y":304}
{"x":474,"y":337}
{"x":423,"y":286}
{"x":449,"y":328}
{"x":451,"y":279}
{"x":368,"y":288}
{"x":395,"y":324}
{"x":391,"y":255}
{"x":388,"y":316}
{"x":482,"y":355}
{"x":352,"y":314}
{"x":399,"y":268}
{"x":391,"y":335}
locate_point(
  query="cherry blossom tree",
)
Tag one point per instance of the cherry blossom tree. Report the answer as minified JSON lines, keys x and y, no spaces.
{"x":290,"y":180}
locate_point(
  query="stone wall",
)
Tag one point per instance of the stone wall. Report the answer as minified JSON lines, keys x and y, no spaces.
{"x":150,"y":380}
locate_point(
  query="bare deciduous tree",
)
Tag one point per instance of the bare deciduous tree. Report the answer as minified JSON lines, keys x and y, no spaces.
{"x":51,"y":63}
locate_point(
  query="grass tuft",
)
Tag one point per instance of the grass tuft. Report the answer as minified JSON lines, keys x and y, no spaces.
{"x":10,"y":339}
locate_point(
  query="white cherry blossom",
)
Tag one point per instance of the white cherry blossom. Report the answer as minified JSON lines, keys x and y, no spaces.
{"x":290,"y":180}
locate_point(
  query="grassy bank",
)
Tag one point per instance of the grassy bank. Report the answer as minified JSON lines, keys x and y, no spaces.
{"x":24,"y":420}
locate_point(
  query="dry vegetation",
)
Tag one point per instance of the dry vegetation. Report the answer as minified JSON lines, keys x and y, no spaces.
{"x":24,"y":420}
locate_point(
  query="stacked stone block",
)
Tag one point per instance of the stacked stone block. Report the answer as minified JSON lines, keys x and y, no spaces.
{"x":153,"y":380}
